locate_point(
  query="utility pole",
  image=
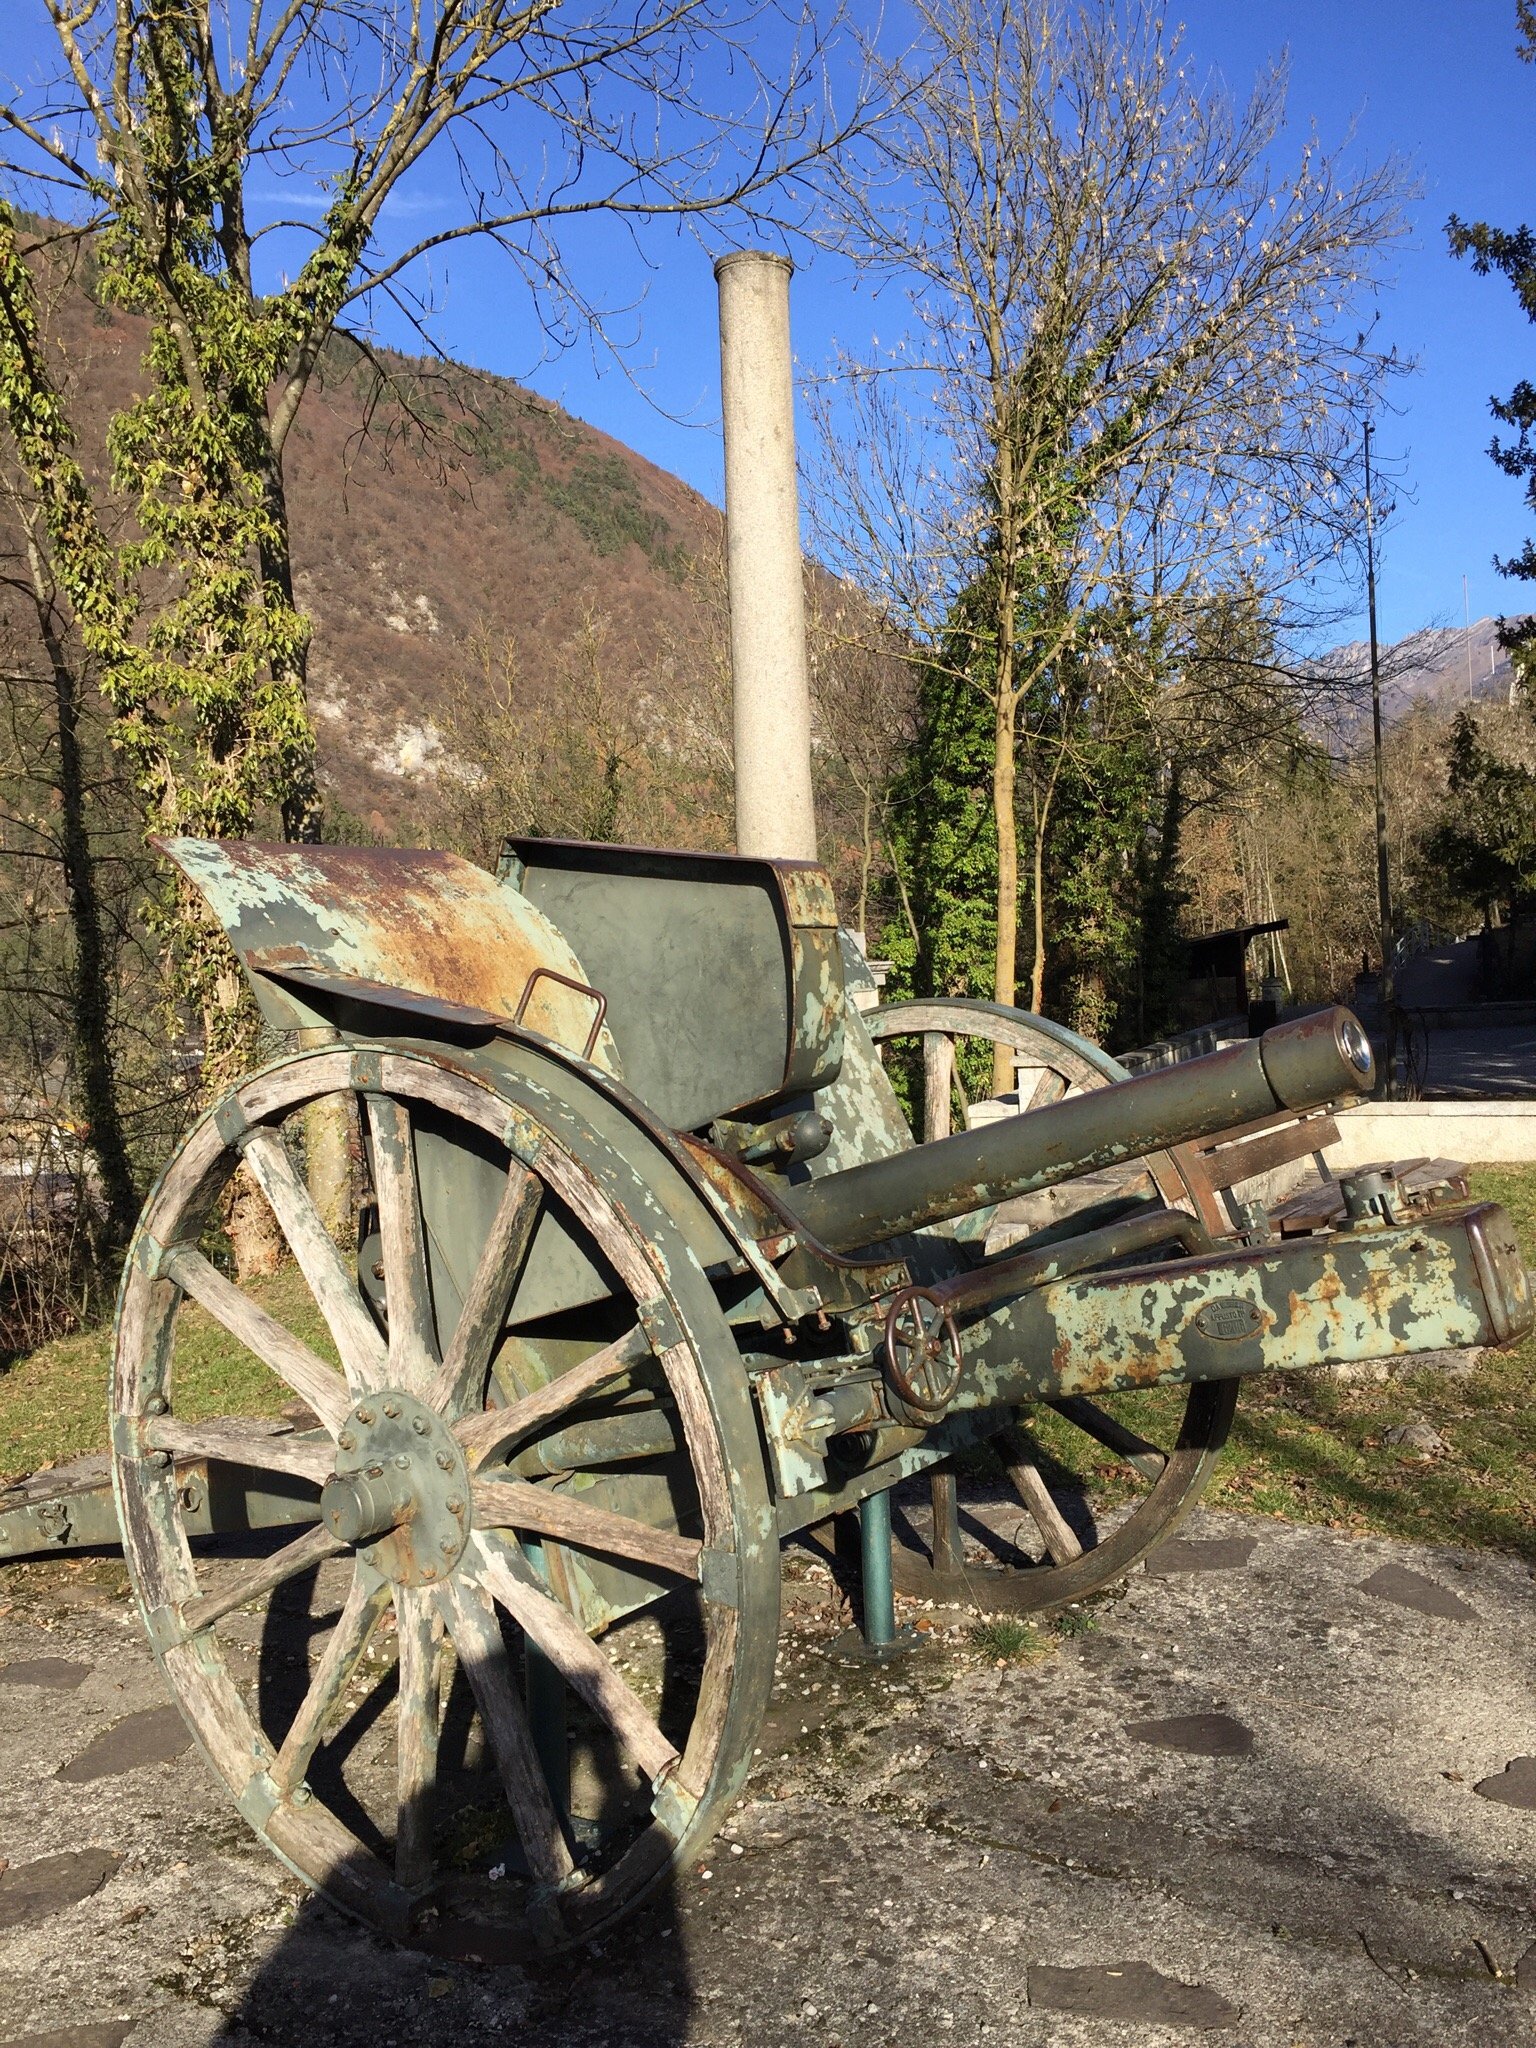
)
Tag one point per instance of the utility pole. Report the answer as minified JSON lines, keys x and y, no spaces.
{"x":1466,"y":614}
{"x":1383,"y":884}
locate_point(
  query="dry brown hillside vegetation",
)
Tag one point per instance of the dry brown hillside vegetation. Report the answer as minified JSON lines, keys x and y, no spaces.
{"x":432,"y":505}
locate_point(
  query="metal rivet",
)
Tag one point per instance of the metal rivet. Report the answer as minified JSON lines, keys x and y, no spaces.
{"x":403,"y":1461}
{"x":455,"y":1506}
{"x":302,"y":1795}
{"x":365,"y":1416}
{"x":347,"y":1440}
{"x":448,"y":1546}
{"x":391,"y":1409}
{"x":375,"y":1471}
{"x":368,"y":1556}
{"x":157,"y":1404}
{"x":420,"y":1424}
{"x":445,"y":1463}
{"x":429,"y":1571}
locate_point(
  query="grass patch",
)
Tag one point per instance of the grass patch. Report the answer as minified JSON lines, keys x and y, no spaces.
{"x":53,"y":1402}
{"x":1008,"y":1642}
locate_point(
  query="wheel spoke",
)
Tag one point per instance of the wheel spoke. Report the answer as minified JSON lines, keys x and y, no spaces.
{"x":334,"y":1288}
{"x":306,"y":1456}
{"x":461,"y":1379}
{"x":1050,"y":1087}
{"x":515,"y":1504}
{"x":417,"y":1723}
{"x":407,"y":1292}
{"x":294,"y":1363}
{"x":1085,"y":1415}
{"x":252,"y":1580}
{"x":480,"y":1435}
{"x":471,"y":1621}
{"x":1018,"y":1455}
{"x":365,"y":1602}
{"x":574,"y":1655}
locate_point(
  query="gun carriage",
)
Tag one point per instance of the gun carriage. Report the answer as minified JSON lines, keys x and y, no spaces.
{"x":650,"y":1273}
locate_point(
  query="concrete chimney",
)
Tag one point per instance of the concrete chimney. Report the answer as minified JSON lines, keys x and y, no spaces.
{"x":771,"y":692}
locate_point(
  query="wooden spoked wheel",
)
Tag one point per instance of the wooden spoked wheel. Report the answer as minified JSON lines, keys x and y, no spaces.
{"x":519,"y":1445}
{"x":1102,"y":1482}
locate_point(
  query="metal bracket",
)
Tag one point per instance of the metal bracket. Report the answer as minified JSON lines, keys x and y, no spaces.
{"x":660,"y":1323}
{"x":717,"y":1577}
{"x":167,"y":1631}
{"x":368,"y":1070}
{"x":257,"y":1801}
{"x":231,"y":1122}
{"x":523,"y":1136}
{"x":673,"y":1804}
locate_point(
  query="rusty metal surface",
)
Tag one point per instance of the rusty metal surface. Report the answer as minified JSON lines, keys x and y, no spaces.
{"x":426,"y":923}
{"x":1439,"y":1283}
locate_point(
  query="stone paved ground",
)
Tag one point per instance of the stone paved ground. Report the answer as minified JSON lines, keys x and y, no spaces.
{"x":1283,"y":1793}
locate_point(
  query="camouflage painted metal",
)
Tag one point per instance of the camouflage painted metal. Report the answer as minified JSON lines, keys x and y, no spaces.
{"x":651,"y":1274}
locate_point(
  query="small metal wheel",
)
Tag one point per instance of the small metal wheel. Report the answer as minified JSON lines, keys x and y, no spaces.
{"x":513,"y":1672}
{"x":922,"y":1353}
{"x":1100,"y":1483}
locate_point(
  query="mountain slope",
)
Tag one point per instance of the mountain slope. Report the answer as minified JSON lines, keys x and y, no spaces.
{"x":465,"y":506}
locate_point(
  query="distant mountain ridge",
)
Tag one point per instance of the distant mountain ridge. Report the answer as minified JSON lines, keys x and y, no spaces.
{"x":1445,"y":667}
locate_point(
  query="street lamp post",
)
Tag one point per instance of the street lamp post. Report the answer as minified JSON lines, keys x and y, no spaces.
{"x":1383,"y":882}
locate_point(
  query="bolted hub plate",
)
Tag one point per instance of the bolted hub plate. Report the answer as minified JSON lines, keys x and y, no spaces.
{"x":400,"y":1490}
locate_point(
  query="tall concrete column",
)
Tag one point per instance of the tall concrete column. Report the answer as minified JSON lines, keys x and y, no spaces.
{"x":775,"y":815}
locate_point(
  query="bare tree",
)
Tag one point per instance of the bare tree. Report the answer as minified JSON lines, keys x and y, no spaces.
{"x":863,"y":690}
{"x":1127,"y":377}
{"x":160,"y":132}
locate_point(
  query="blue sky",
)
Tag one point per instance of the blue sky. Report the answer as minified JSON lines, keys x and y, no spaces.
{"x":1434,"y":80}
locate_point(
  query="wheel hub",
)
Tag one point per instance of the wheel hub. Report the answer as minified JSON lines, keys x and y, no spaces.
{"x":400,"y":1491}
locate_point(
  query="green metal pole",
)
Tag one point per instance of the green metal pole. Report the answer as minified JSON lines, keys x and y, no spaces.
{"x":875,"y":1562}
{"x":544,"y":1697}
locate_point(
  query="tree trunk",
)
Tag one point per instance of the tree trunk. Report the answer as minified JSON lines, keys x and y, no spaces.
{"x":1005,"y":972}
{"x":1037,"y":906}
{"x":88,"y":998}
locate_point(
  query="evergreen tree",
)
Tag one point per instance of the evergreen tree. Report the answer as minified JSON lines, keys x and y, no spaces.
{"x":1512,"y":252}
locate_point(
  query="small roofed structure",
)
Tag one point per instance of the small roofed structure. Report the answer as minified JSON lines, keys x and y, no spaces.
{"x":1217,"y":978}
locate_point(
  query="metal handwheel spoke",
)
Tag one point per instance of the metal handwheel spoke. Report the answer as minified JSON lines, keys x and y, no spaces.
{"x":579,"y":1661}
{"x":515,"y":1504}
{"x":367,"y":1598}
{"x":252,"y":1580}
{"x":308,"y":1457}
{"x":460,"y":1380}
{"x":472,"y":1624}
{"x":482,"y":1435}
{"x":333,"y":1286}
{"x":315,"y":1382}
{"x":412,"y":1359}
{"x":418,"y":1716}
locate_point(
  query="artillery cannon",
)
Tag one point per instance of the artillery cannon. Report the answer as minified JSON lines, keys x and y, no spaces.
{"x":649,"y":1275}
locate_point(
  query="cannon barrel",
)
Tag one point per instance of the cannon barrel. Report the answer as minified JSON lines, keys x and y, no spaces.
{"x":1298,"y":1066}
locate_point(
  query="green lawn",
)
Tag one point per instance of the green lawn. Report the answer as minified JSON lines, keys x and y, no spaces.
{"x":53,"y":1402}
{"x":1303,"y":1447}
